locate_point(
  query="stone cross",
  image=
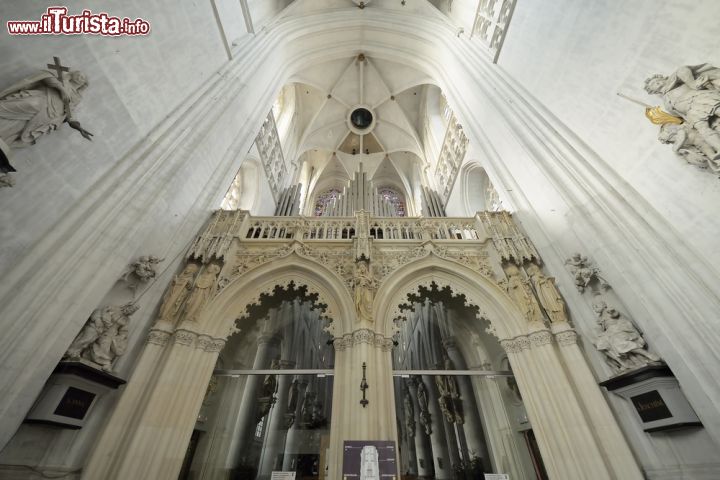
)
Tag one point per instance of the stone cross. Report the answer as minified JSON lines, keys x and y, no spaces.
{"x":59,"y":69}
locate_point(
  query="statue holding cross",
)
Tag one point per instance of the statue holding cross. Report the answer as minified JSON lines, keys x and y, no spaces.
{"x":36,"y":106}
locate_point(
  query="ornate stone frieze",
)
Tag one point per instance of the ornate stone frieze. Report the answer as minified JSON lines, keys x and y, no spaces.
{"x":568,"y":337}
{"x":387,"y":260}
{"x":184,"y":337}
{"x":158,"y":337}
{"x":210,"y":344}
{"x":510,"y":242}
{"x":538,"y":339}
{"x":360,"y":336}
{"x":516,"y":345}
{"x":339,"y":260}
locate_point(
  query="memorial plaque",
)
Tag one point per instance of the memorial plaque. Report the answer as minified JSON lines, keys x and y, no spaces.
{"x":75,"y":403}
{"x":651,"y":406}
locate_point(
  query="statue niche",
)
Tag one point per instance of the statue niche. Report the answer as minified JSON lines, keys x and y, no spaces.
{"x":36,"y":106}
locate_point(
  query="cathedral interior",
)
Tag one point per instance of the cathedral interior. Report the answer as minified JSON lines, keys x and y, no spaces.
{"x":369,"y":240}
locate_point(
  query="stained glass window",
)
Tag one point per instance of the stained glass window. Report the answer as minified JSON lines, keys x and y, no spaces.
{"x":394,"y":198}
{"x":325,"y":200}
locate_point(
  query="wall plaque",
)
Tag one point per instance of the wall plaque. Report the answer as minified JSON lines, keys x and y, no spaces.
{"x":70,"y":394}
{"x":75,"y":403}
{"x":656,"y":397}
{"x":651,"y":406}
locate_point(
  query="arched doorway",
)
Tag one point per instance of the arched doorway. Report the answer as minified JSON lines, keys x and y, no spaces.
{"x":460,"y":413}
{"x":268,"y":405}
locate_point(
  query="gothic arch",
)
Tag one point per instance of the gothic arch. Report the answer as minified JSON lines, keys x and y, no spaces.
{"x":220,"y":314}
{"x":505,"y":318}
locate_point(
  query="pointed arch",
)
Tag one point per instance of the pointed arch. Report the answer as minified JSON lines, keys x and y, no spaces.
{"x":495,"y":305}
{"x":220,"y":314}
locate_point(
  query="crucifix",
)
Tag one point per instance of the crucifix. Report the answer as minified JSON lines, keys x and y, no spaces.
{"x":60,"y":69}
{"x":364,"y":386}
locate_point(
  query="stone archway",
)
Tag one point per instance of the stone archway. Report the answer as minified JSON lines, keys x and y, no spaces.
{"x":576,"y":431}
{"x":149,"y":430}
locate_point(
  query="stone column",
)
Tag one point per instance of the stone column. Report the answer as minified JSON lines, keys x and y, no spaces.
{"x":564,"y":434}
{"x":377,"y":420}
{"x":605,"y":427}
{"x":154,"y":446}
{"x":292,"y":434}
{"x":504,"y":450}
{"x":245,"y":420}
{"x":473,"y":429}
{"x":442,"y":458}
{"x":423,"y":450}
{"x":104,"y":455}
{"x":451,"y":440}
{"x":276,"y":428}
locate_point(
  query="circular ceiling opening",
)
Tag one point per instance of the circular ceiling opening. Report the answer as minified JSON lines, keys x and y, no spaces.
{"x":361,"y":118}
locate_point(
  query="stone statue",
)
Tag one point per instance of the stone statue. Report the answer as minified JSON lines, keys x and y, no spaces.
{"x":693,"y":93}
{"x":425,"y":418}
{"x":548,"y":294}
{"x":584,"y":272}
{"x":203,"y":291}
{"x":36,"y":106}
{"x":689,"y":144}
{"x":292,"y":403}
{"x":365,"y":287}
{"x":104,"y":336}
{"x":622,"y":343}
{"x":306,"y":409}
{"x":519,"y":291}
{"x":143,"y":268}
{"x":270,"y":383}
{"x":176,"y":294}
{"x":449,"y":394}
{"x":409,"y":412}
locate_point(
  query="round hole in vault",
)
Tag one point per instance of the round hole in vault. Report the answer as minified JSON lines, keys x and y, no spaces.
{"x":361,"y":118}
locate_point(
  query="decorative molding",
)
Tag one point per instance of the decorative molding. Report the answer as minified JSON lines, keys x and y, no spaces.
{"x":566,"y":338}
{"x":271,"y":155}
{"x":541,"y":338}
{"x":363,"y":336}
{"x":209,"y":344}
{"x":158,"y":337}
{"x":184,"y":337}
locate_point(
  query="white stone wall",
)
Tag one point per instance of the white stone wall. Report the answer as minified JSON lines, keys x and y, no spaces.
{"x":574,"y":57}
{"x":135,"y":82}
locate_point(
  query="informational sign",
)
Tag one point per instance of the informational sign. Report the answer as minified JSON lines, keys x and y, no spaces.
{"x":651,"y":406}
{"x":369,"y":460}
{"x":282,"y":476}
{"x":497,"y":476}
{"x":75,"y":403}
